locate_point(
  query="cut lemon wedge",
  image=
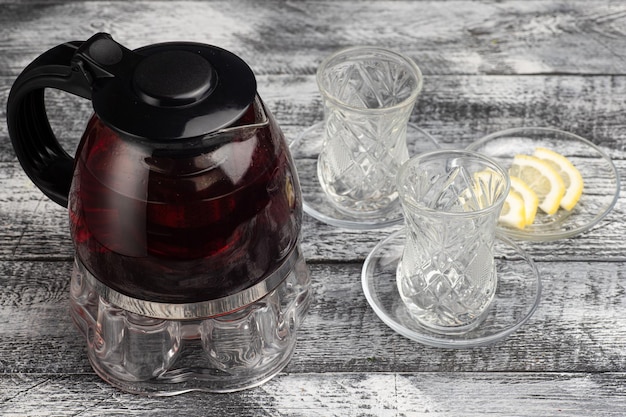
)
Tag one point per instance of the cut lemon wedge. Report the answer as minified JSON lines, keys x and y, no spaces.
{"x":483,"y":191}
{"x":572,"y":179}
{"x":513,"y":211}
{"x":487,"y":183}
{"x":544,"y":180}
{"x":529,"y":197}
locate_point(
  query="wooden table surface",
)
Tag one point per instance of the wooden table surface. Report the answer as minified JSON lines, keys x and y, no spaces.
{"x":488,"y":65}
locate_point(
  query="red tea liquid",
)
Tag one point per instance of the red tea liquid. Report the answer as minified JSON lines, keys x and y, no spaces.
{"x":183,"y":225}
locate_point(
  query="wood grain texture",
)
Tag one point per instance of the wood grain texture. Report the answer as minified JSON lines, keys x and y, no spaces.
{"x":455,"y":110}
{"x":469,"y":394}
{"x":347,"y":361}
{"x":445,"y":37}
{"x":488,"y":66}
{"x":36,"y":228}
{"x":577,"y":328}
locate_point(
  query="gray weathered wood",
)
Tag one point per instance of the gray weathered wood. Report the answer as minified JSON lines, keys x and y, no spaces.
{"x":455,"y":110}
{"x":392,"y":394}
{"x":488,"y":65}
{"x":467,"y":37}
{"x":579,"y":314}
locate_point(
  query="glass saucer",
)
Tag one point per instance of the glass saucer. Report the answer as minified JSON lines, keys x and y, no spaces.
{"x":517,"y":296}
{"x":600,"y":176}
{"x":306,"y":148}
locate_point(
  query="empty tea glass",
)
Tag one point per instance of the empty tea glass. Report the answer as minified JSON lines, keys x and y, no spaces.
{"x":451,"y":202}
{"x":368,"y":96}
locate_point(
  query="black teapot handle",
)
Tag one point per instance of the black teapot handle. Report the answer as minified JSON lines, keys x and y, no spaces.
{"x":63,"y":67}
{"x":42,"y":157}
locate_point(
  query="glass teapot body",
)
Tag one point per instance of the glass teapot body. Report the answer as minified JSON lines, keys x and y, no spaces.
{"x":197,"y":222}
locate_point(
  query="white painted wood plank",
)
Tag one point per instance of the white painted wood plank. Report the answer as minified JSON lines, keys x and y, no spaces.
{"x":456,"y":110}
{"x":34,"y":227}
{"x":335,"y":394}
{"x":579,"y":326}
{"x":461,"y":37}
{"x":488,"y":66}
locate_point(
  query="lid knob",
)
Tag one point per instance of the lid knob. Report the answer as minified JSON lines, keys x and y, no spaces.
{"x":173,"y":78}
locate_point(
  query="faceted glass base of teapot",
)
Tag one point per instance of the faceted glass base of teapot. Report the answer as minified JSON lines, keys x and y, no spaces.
{"x":231,"y":352}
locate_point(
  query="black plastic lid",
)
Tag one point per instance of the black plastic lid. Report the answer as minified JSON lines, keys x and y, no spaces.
{"x":166,"y":91}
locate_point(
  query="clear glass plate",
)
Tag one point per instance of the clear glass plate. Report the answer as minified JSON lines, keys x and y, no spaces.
{"x":517,"y":296}
{"x":306,"y":148}
{"x":599,"y":174}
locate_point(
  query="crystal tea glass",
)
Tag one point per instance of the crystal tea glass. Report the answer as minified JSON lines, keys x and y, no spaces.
{"x":368,"y":96}
{"x":451,"y":202}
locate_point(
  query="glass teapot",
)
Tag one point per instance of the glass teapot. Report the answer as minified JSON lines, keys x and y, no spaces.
{"x":185,"y":213}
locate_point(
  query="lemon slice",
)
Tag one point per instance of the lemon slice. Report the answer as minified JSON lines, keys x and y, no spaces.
{"x":513,"y":211}
{"x":487,"y":186}
{"x":542,"y":179}
{"x":528,"y":196}
{"x":572,"y":179}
